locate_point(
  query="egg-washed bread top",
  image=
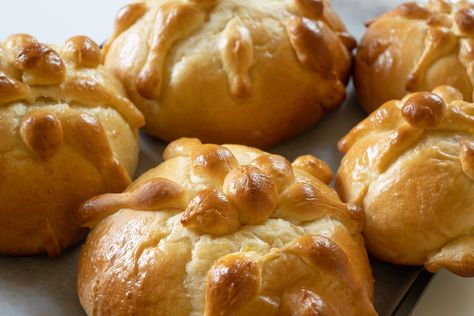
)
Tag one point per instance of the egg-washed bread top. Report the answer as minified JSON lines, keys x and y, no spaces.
{"x":416,"y":47}
{"x":67,"y":133}
{"x":410,"y":165}
{"x":225,"y":230}
{"x":247,"y":72}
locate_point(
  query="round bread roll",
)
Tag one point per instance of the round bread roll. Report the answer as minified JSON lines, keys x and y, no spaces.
{"x":239,"y":71}
{"x":225,"y":230}
{"x":416,"y":47}
{"x":67,"y":133}
{"x":410,"y":165}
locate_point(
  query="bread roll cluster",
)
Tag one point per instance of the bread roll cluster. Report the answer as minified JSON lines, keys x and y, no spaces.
{"x":222,"y":230}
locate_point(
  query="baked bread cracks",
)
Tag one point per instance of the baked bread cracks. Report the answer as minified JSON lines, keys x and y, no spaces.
{"x":416,"y":47}
{"x":67,"y":133}
{"x":225,"y":230}
{"x":251,"y":72}
{"x":410,"y":166}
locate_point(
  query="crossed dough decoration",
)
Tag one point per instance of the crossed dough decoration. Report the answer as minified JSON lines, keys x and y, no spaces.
{"x":30,"y":70}
{"x":245,"y":72}
{"x":448,"y":28}
{"x":247,"y":232}
{"x":410,"y":165}
{"x":33,"y":74}
{"x":176,"y":20}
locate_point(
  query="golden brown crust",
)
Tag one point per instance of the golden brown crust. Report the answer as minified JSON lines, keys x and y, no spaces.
{"x":310,"y":45}
{"x":457,"y":257}
{"x":157,"y":194}
{"x":443,"y":6}
{"x":413,"y":10}
{"x":89,"y":138}
{"x":325,"y":254}
{"x":237,"y":57}
{"x":2,"y":165}
{"x":232,"y":282}
{"x":213,"y":162}
{"x":90,"y":92}
{"x":83,"y":51}
{"x":312,"y":8}
{"x":247,"y":248}
{"x":40,"y":64}
{"x":448,"y":93}
{"x":126,"y":16}
{"x":42,"y":132}
{"x":467,"y":158}
{"x":423,"y":110}
{"x":172,"y":22}
{"x":253,"y":192}
{"x":11,"y":89}
{"x":211,"y":212}
{"x":416,"y":47}
{"x":438,"y":43}
{"x":63,"y":72}
{"x":314,"y":167}
{"x":303,"y":302}
{"x":278,"y":168}
{"x":181,"y":147}
{"x":68,"y":133}
{"x":16,"y":41}
{"x":409,"y":165}
{"x":303,"y":201}
{"x":157,"y":49}
{"x":465,"y":21}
